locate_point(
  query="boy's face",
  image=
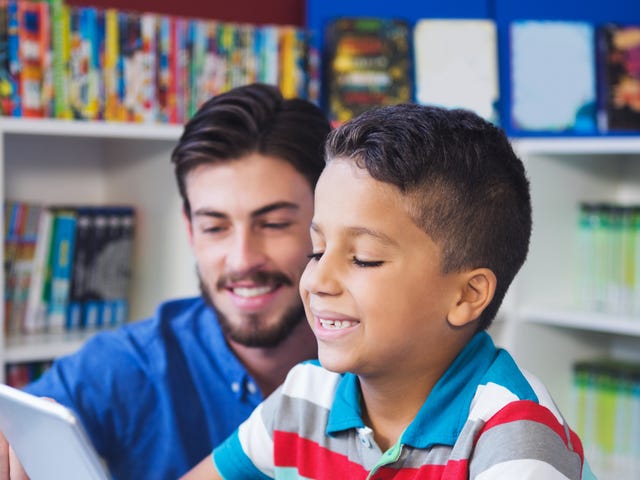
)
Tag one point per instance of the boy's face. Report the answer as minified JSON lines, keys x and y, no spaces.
{"x":249,"y":230}
{"x":373,"y":292}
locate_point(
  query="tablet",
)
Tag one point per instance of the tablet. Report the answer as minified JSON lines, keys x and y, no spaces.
{"x":48,"y":438}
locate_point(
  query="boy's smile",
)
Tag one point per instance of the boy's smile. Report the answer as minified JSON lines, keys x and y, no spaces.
{"x":373,"y":290}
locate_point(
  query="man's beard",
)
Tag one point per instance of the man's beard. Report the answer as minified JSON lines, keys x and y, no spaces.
{"x":252,"y":333}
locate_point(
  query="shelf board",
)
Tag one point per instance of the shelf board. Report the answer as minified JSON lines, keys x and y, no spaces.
{"x":45,"y":346}
{"x":98,"y":129}
{"x":604,"y":145}
{"x":583,"y":320}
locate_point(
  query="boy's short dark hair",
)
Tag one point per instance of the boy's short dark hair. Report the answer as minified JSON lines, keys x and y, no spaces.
{"x":463,"y":183}
{"x":252,"y":119}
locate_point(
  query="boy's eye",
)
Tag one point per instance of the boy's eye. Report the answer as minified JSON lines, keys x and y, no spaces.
{"x":314,"y":256}
{"x":366,"y":264}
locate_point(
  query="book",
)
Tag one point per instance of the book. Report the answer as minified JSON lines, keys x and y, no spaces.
{"x":9,"y":88}
{"x":61,"y":58}
{"x":79,"y":277}
{"x":553,"y":83}
{"x":112,"y":67}
{"x":85,"y":67}
{"x":618,"y":59}
{"x":456,"y":65}
{"x":39,"y":287}
{"x":34,"y":57}
{"x":23,"y":266}
{"x":368,"y":65}
{"x":94,"y":294}
{"x":62,"y":247}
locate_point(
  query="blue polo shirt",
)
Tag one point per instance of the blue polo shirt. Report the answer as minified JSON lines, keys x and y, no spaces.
{"x":155,"y":396}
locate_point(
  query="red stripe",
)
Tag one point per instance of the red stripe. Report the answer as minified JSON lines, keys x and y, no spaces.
{"x":315,"y":461}
{"x":532,"y":411}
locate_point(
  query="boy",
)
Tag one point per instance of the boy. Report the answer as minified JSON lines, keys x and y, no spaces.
{"x":422,"y":219}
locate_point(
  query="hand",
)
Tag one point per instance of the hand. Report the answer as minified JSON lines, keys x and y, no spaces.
{"x":10,"y":466}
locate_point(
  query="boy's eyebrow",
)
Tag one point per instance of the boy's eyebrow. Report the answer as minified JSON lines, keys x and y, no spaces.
{"x":206,"y":212}
{"x":356,"y":231}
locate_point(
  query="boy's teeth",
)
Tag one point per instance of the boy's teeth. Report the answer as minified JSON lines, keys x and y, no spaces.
{"x":247,"y":292}
{"x":336,"y":324}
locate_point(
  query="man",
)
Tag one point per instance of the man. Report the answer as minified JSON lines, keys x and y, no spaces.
{"x":155,"y":396}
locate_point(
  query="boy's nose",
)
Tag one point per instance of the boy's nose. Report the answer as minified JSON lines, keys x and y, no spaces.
{"x":321,"y":277}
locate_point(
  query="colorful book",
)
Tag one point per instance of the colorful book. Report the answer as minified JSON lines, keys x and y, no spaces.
{"x":112,"y":72}
{"x":456,"y":65}
{"x":553,"y":83}
{"x":368,"y":65}
{"x":85,"y":68}
{"x":34,"y":57}
{"x":618,"y":58}
{"x":9,"y":88}
{"x":61,"y":58}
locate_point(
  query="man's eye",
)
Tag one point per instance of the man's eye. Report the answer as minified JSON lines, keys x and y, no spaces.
{"x":314,"y":256}
{"x":277,"y":225}
{"x":366,"y":264}
{"x":212,"y":229}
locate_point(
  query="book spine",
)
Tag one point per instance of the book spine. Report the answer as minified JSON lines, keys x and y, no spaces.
{"x":61,"y":269}
{"x":80,"y":268}
{"x":38,"y":299}
{"x":112,"y":73}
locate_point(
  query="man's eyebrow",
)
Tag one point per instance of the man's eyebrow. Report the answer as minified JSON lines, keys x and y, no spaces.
{"x":207,"y":212}
{"x":275,"y":206}
{"x":357,"y":231}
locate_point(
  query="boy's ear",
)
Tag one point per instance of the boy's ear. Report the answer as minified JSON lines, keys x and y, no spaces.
{"x":478,"y":288}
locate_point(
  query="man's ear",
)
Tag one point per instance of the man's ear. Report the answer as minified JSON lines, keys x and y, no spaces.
{"x":477,"y":289}
{"x":186,"y":218}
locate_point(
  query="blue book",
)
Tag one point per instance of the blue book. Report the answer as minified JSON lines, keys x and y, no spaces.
{"x":553,"y":78}
{"x":64,"y":226}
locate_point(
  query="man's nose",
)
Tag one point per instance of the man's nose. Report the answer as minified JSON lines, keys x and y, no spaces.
{"x":246,"y":252}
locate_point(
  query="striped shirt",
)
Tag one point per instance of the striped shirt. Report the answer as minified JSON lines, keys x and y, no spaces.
{"x":484,"y":419}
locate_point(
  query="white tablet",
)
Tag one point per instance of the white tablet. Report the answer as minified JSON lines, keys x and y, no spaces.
{"x":47,"y":437}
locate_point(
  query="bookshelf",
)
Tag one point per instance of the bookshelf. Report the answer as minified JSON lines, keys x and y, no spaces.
{"x":101,"y":163}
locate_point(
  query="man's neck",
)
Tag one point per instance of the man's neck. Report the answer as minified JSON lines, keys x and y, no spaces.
{"x":269,"y":366}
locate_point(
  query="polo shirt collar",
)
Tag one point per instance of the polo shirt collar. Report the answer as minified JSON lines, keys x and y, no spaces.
{"x":450,"y":398}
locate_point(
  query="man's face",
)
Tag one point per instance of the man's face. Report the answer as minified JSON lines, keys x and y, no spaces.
{"x":249,"y":230}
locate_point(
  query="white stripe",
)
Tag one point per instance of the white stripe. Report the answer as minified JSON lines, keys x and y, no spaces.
{"x":544,"y":397}
{"x":256,"y":442}
{"x":525,"y":469}
{"x":312,"y":383}
{"x":488,"y":400}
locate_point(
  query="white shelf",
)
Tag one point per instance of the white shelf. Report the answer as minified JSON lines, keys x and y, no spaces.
{"x":75,"y":128}
{"x":45,"y":346}
{"x":605,"y":145}
{"x":583,"y":320}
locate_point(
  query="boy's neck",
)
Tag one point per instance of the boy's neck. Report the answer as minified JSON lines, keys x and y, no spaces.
{"x":269,"y":366}
{"x":389,"y":407}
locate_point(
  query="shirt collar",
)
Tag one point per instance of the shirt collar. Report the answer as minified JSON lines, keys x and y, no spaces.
{"x":233,"y":371}
{"x":450,"y":398}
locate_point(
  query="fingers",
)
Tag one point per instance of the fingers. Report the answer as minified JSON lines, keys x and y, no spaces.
{"x":15,"y":467}
{"x":4,"y":458}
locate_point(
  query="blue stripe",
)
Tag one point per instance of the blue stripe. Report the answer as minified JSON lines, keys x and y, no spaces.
{"x":232,"y":463}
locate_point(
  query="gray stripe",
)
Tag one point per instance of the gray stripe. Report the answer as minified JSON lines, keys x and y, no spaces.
{"x":524,"y":439}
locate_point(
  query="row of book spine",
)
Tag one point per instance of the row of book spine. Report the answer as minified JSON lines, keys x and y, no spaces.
{"x":80,"y":62}
{"x":19,"y":375}
{"x":606,"y":416}
{"x":569,"y":77}
{"x":66,"y":267}
{"x":608,"y":248}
